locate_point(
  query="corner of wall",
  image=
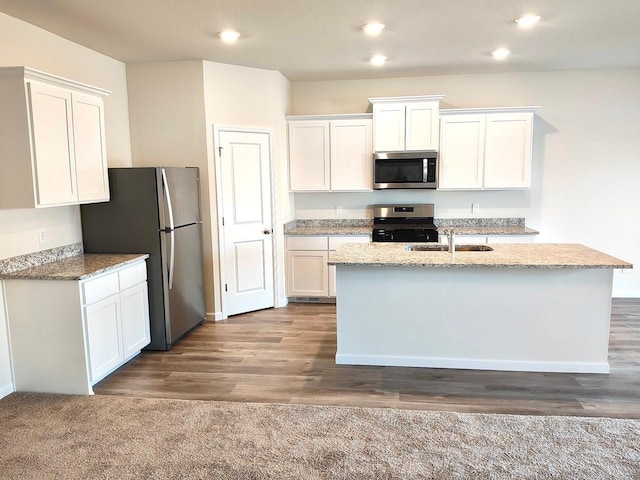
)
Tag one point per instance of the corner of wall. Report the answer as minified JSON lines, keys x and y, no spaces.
{"x":7,"y":384}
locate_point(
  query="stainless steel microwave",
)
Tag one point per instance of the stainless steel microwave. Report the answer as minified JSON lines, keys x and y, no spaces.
{"x":405,"y":170}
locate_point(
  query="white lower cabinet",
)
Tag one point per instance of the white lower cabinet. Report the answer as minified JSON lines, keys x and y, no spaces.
{"x":308,"y":274}
{"x":77,"y":332}
{"x":104,"y":339}
{"x":332,"y":278}
{"x":134,"y":305}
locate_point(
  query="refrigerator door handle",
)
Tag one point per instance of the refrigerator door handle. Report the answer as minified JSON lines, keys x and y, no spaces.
{"x":172,"y":258}
{"x":172,"y":255}
{"x":165,"y":184}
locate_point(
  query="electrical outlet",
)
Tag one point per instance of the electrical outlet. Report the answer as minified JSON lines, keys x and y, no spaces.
{"x":338,"y":209}
{"x":42,"y":235}
{"x":475,"y":208}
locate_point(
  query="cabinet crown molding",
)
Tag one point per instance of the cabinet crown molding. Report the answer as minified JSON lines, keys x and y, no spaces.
{"x":32,"y":74}
{"x":334,"y":116}
{"x":416,"y":98}
{"x":453,"y":111}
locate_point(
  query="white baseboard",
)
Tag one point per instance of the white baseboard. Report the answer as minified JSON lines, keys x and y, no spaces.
{"x":471,"y":364}
{"x":283,"y":302}
{"x":6,"y":390}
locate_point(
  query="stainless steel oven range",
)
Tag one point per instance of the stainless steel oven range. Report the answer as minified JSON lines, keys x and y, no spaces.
{"x":404,"y":223}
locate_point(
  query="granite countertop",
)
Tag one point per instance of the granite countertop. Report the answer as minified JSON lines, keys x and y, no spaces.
{"x":531,"y":255}
{"x":495,"y":230}
{"x":462,"y":226}
{"x":78,"y":267}
{"x":353,"y":226}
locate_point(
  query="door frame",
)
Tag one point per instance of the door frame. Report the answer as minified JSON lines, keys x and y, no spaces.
{"x":217,"y":129}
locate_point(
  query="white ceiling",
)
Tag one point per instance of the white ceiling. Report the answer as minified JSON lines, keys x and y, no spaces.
{"x":322,"y":40}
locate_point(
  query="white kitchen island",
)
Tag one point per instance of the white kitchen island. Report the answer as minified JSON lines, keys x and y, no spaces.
{"x":525,"y":307}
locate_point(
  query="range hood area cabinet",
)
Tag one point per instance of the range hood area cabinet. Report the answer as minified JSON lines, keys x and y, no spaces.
{"x":52,"y":140}
{"x":330,"y":153}
{"x":485,"y":148}
{"x":404,"y":124}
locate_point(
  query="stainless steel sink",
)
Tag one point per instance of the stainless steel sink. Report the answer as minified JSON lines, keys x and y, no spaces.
{"x":445,"y":248}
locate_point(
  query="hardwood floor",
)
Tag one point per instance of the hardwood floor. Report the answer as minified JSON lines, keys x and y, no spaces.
{"x":287,"y":356}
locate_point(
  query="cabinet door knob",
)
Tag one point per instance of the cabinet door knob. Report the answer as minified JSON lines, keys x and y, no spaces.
{"x":267,"y":231}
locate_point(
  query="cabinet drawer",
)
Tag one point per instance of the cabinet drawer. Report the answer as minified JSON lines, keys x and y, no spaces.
{"x":335,"y":242}
{"x":132,"y":275}
{"x":99,"y":288}
{"x":307,"y":243}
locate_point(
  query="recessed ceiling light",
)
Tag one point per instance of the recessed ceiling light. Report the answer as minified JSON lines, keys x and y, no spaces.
{"x":528,"y":20}
{"x":378,"y":60}
{"x":373,"y":28}
{"x":500,"y":53}
{"x":229,"y":36}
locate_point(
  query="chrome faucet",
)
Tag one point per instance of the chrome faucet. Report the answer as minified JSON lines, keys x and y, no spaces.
{"x":451,"y":240}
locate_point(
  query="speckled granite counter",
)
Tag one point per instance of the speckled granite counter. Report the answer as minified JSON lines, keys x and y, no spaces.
{"x":77,"y":267}
{"x":462,"y":226}
{"x":491,"y":230}
{"x":354,"y":226}
{"x":503,"y":256}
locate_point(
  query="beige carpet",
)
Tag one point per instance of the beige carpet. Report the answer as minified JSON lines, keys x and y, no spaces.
{"x":71,"y":437}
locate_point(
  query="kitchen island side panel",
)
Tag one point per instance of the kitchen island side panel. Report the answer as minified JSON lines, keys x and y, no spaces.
{"x":525,"y":319}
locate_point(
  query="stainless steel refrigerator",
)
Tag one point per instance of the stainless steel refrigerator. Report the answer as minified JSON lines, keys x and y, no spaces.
{"x":156,"y":210}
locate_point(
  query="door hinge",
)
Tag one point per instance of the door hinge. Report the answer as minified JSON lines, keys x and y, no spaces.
{"x":220,"y":151}
{"x":223,"y":221}
{"x":225,"y":287}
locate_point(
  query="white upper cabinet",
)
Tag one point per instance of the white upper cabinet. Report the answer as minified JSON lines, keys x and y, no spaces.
{"x":508,"y":150}
{"x":351,"y":155}
{"x":90,"y":148}
{"x":405,"y":123}
{"x":330,"y":153}
{"x":309,"y":155}
{"x":53,"y":141}
{"x":487,"y":148}
{"x":461,"y":151}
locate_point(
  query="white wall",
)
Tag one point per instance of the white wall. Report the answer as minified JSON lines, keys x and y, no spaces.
{"x":167,"y":114}
{"x":25,"y":44}
{"x":173,"y":107}
{"x":586,"y":165}
{"x":252,"y":98}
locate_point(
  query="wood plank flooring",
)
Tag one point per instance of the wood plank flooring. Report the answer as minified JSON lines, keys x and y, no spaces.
{"x":286,"y":355}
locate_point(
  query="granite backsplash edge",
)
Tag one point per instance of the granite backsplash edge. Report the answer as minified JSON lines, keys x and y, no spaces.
{"x":439,"y":222}
{"x":20,"y":262}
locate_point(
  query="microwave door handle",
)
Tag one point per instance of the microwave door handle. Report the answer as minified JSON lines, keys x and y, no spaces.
{"x":425,"y":170}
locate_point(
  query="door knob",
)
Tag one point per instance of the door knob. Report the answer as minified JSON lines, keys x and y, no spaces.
{"x":267,"y":231}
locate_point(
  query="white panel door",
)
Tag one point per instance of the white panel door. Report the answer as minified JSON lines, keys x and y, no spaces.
{"x":245,"y":167}
{"x":91,"y":153}
{"x":461,"y":152}
{"x":508,"y":151}
{"x":351,"y":155}
{"x":52,"y":130}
